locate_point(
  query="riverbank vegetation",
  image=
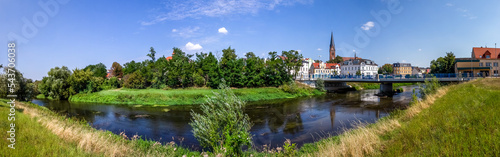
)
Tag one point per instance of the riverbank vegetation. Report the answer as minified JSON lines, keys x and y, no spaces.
{"x":362,"y":86}
{"x":190,"y":96}
{"x":466,"y":125}
{"x":179,"y":71}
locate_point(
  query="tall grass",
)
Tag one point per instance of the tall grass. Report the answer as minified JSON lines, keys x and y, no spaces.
{"x":181,"y":96}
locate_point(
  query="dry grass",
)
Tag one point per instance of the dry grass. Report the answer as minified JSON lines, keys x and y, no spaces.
{"x":365,"y":140}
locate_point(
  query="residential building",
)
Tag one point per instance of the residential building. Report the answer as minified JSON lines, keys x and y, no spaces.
{"x":322,"y":68}
{"x":304,"y":70}
{"x":365,"y":66}
{"x":402,"y":68}
{"x":483,"y":62}
{"x":416,"y":71}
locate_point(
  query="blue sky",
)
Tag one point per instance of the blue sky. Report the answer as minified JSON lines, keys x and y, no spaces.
{"x":78,"y":33}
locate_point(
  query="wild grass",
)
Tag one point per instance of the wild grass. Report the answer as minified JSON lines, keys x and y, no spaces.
{"x":49,"y":134}
{"x":181,"y":96}
{"x":361,"y":86}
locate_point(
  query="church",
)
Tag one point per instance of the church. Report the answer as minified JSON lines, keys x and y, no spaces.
{"x":351,"y":65}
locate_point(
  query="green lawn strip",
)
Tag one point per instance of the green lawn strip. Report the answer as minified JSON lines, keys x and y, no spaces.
{"x":33,"y":139}
{"x":181,"y":96}
{"x":464,"y":122}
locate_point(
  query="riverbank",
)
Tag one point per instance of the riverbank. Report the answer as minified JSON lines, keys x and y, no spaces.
{"x":467,"y":124}
{"x":362,"y":86}
{"x":41,"y":132}
{"x":185,"y":96}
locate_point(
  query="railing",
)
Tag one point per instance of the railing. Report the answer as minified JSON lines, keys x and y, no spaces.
{"x":444,"y":76}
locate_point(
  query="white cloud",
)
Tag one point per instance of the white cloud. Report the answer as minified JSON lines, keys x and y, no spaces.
{"x":186,"y":32}
{"x":190,"y":46}
{"x":298,"y":51}
{"x":223,"y":30}
{"x":368,"y":25}
{"x":319,"y":49}
{"x":449,"y":4}
{"x":419,"y":49}
{"x":177,"y":10}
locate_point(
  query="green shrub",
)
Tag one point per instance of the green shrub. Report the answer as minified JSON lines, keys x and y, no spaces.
{"x":222,"y":126}
{"x":134,"y":80}
{"x":290,"y":87}
{"x":289,"y":148}
{"x":429,"y":87}
{"x":320,"y":84}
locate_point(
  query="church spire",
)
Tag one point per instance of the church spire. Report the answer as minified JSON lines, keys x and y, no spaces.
{"x":332,"y":48}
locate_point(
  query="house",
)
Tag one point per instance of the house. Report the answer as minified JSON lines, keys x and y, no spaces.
{"x":365,"y":66}
{"x":304,"y":70}
{"x":322,"y":68}
{"x":483,"y":62}
{"x":402,"y":68}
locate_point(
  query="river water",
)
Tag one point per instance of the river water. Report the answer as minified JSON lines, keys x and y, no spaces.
{"x":302,"y":120}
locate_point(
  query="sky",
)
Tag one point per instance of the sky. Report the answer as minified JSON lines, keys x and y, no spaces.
{"x":50,"y":33}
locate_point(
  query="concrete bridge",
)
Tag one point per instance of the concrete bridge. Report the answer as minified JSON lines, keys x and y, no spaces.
{"x":338,"y":82}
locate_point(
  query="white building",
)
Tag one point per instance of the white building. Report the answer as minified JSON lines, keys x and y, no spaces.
{"x":365,"y":66}
{"x":304,"y":70}
{"x":325,"y":69}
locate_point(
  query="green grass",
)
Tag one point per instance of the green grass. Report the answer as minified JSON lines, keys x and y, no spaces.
{"x":33,"y":139}
{"x":464,"y":122}
{"x":182,"y":96}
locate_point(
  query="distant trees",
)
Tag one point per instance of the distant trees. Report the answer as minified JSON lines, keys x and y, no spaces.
{"x":98,"y":70}
{"x":56,"y":85}
{"x":386,"y":69}
{"x":337,"y":59}
{"x":444,"y":64}
{"x":22,"y":87}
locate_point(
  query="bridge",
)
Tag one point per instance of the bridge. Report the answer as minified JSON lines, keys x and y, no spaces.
{"x":334,"y":82}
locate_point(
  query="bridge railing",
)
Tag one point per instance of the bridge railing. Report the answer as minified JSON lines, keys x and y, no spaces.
{"x":385,"y":76}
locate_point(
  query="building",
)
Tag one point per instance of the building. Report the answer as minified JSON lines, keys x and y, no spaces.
{"x":304,"y":70}
{"x":483,"y":62}
{"x":402,"y":68}
{"x":322,"y":68}
{"x":365,"y":66}
{"x":332,"y":51}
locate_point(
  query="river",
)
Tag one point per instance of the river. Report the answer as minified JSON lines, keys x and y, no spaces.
{"x":302,"y":120}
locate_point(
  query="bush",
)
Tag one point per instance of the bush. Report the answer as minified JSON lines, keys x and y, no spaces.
{"x":320,"y":84}
{"x":222,"y":126}
{"x":429,"y":87}
{"x":134,"y":80}
{"x":111,"y":83}
{"x":290,"y":87}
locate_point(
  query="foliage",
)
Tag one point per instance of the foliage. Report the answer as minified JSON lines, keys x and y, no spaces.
{"x":24,"y":88}
{"x":151,"y":54}
{"x":134,"y":80}
{"x":320,"y":84}
{"x":79,"y":80}
{"x":429,"y":87}
{"x":111,"y":83}
{"x":131,"y":67}
{"x":116,"y":70}
{"x":222,"y":126}
{"x":98,"y":70}
{"x":56,"y":84}
{"x":444,"y":64}
{"x":289,"y":148}
{"x":358,"y":73}
{"x":386,"y":69}
{"x":337,"y":59}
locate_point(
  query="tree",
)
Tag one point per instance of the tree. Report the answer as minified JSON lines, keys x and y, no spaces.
{"x":387,"y":69}
{"x":79,"y":81}
{"x":131,"y":67}
{"x":358,"y":73}
{"x":151,"y":54}
{"x":222,"y":126}
{"x":56,"y":84}
{"x":98,"y":70}
{"x":320,"y":84}
{"x":337,"y":59}
{"x":116,"y":70}
{"x":22,"y":87}
{"x":134,"y":80}
{"x":444,"y":64}
{"x":293,"y":61}
{"x":254,"y":71}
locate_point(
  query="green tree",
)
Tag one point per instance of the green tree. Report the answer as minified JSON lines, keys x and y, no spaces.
{"x":254,"y":71}
{"x":387,"y":69}
{"x":337,"y":59}
{"x":444,"y":64}
{"x":151,"y":54}
{"x":131,"y":67}
{"x":22,"y":87}
{"x":56,"y":85}
{"x":79,"y":81}
{"x":134,"y":80}
{"x":320,"y":84}
{"x":358,"y":72}
{"x":99,"y":70}
{"x":117,"y":70}
{"x":222,"y":126}
{"x":292,"y":62}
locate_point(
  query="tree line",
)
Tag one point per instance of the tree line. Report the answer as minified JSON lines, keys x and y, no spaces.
{"x":206,"y":70}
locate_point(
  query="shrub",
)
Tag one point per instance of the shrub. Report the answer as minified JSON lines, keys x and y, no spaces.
{"x":429,"y":87}
{"x":320,"y":84}
{"x":222,"y":126}
{"x":134,"y":80}
{"x":290,"y":87}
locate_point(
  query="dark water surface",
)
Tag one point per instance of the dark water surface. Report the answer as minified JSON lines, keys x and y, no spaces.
{"x":302,"y":120}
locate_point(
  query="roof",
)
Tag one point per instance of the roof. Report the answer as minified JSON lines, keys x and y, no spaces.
{"x":168,"y":58}
{"x":358,"y":61}
{"x":349,"y":58}
{"x":482,"y":52}
{"x":331,"y":65}
{"x":316,"y":65}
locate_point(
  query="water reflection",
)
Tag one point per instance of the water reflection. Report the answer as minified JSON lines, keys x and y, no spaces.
{"x":301,"y":120}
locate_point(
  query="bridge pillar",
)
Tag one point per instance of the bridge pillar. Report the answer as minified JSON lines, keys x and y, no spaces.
{"x":386,"y":87}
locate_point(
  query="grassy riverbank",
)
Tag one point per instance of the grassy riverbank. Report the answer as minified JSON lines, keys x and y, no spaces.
{"x":41,"y":132}
{"x":467,"y":125}
{"x":184,"y":96}
{"x":361,"y":86}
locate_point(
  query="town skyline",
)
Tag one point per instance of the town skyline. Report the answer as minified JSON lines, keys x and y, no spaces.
{"x":77,"y":34}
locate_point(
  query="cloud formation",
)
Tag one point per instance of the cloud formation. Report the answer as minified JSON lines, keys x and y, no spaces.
{"x":319,"y":49}
{"x":190,"y":46}
{"x":178,"y":10}
{"x":223,"y":30}
{"x":368,"y":25}
{"x":186,"y":32}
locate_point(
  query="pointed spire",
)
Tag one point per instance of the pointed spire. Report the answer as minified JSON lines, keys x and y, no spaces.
{"x":331,"y":42}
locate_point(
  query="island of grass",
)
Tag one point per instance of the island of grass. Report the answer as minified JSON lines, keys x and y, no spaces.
{"x":185,"y":96}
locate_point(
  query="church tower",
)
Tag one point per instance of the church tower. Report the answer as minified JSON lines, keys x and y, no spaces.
{"x":332,"y":48}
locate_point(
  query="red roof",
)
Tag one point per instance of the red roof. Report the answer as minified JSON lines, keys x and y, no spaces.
{"x":347,"y":58}
{"x":482,"y":53}
{"x":168,"y":58}
{"x":316,"y":65}
{"x":331,"y":65}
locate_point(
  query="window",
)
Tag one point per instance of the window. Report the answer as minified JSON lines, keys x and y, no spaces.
{"x":495,"y":64}
{"x":488,"y":64}
{"x":495,"y":72}
{"x":480,"y":64}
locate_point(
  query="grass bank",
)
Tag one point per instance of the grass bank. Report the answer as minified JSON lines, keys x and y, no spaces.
{"x":184,"y":96}
{"x":467,"y":125}
{"x":40,"y":132}
{"x":361,"y":86}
